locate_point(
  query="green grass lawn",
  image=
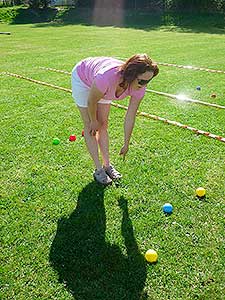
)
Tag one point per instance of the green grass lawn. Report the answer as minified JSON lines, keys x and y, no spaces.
{"x":63,"y":235}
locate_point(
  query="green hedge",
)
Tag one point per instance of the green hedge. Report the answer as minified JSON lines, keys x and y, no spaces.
{"x":8,"y":14}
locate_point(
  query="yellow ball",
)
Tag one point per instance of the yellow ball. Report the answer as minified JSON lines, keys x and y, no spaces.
{"x":151,"y":256}
{"x":200,"y":192}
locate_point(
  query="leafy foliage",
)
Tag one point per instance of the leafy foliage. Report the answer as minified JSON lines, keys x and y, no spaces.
{"x":150,"y":5}
{"x":177,"y":5}
{"x":39,"y":3}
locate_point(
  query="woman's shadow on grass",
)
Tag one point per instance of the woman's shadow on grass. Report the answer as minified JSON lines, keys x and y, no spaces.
{"x":88,"y":266}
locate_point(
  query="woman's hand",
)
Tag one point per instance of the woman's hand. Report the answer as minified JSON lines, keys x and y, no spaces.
{"x":94,"y":126}
{"x":124,"y":151}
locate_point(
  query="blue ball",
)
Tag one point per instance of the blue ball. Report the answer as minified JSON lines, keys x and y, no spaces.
{"x":198,"y":88}
{"x":167,"y":208}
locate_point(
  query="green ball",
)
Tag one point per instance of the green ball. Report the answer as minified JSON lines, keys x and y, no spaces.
{"x":56,"y":141}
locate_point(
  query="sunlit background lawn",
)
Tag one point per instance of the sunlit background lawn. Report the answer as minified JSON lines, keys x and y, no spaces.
{"x":64,"y":236}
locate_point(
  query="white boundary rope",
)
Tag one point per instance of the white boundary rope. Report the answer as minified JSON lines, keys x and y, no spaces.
{"x":191,"y":68}
{"x":139,"y":113}
{"x":177,"y":97}
{"x":184,"y":98}
{"x":185,"y":67}
{"x":55,"y":70}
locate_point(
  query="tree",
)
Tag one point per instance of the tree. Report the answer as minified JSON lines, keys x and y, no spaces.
{"x":86,"y":3}
{"x":35,"y":4}
{"x":195,"y":5}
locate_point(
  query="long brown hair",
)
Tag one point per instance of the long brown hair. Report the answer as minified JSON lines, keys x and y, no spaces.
{"x":136,"y":65}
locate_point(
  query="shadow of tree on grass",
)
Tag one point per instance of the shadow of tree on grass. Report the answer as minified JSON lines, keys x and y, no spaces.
{"x":32,"y":16}
{"x":144,"y":20}
{"x":89,"y":267}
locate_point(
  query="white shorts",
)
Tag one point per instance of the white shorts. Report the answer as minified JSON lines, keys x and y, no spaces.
{"x":80,"y":91}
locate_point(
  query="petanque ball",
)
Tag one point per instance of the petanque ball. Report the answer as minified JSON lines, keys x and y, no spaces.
{"x":56,"y":141}
{"x":72,"y":138}
{"x":151,"y":256}
{"x":200,"y":192}
{"x":167,"y":208}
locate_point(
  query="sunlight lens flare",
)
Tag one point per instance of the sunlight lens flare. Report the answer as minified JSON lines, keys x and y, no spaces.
{"x":108,"y":13}
{"x":181,"y":97}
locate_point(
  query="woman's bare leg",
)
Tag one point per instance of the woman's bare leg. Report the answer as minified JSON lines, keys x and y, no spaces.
{"x":102,"y":134}
{"x":91,"y":141}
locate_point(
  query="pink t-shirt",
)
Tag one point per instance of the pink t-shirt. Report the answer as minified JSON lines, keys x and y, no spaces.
{"x":104,"y":71}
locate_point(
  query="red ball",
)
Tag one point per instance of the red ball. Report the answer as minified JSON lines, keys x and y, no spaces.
{"x":72,"y":138}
